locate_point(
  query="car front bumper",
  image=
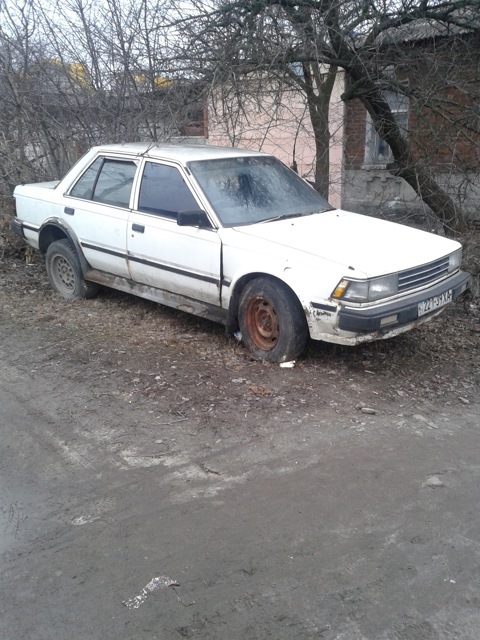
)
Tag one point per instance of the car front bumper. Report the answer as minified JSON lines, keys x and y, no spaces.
{"x":401,"y":311}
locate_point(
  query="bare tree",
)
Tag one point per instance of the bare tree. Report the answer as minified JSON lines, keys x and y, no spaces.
{"x":16,"y":33}
{"x":231,"y":38}
{"x":78,"y":73}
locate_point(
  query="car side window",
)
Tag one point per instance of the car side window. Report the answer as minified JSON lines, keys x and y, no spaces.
{"x":164,"y":192}
{"x":84,"y":186}
{"x":107,"y":180}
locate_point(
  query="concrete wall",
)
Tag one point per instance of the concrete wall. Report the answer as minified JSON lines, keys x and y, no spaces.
{"x":376,"y":192}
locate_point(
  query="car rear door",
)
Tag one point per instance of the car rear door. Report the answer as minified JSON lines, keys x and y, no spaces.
{"x":97,"y":209}
{"x":179,"y":259}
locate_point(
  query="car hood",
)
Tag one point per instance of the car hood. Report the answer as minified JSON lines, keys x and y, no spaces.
{"x":361,"y":243}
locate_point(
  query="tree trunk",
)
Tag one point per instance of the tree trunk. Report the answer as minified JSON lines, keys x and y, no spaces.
{"x":405,"y":165}
{"x":321,"y":134}
{"x":318,"y":89}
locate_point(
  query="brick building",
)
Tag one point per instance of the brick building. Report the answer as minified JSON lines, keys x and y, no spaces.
{"x":440,"y":115}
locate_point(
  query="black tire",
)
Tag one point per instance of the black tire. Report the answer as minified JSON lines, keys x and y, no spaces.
{"x":65,"y":273}
{"x":272,"y":321}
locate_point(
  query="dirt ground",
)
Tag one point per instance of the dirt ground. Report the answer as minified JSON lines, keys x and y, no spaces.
{"x":187,"y":363}
{"x":147,"y":457}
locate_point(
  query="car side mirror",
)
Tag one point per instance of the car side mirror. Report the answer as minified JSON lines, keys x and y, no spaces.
{"x":193,"y":218}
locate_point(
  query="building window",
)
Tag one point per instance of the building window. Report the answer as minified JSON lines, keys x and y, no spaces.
{"x":377,"y":150}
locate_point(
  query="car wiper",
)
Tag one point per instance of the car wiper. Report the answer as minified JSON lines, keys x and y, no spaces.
{"x":284,"y":216}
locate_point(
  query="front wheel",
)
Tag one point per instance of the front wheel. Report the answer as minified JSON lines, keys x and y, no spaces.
{"x":272,"y":321}
{"x":65,"y":273}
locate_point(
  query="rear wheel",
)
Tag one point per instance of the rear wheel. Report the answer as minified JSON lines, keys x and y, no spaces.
{"x":272,"y":321}
{"x":65,"y":273}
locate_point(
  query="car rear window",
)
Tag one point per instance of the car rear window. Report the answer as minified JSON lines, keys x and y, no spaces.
{"x":107,"y":180}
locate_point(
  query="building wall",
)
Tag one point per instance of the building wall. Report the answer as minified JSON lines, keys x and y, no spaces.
{"x":372,"y":189}
{"x":268,"y":118}
{"x":443,"y":76}
{"x":369,"y":189}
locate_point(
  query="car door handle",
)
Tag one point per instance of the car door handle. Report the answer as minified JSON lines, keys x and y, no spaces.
{"x":138,"y":227}
{"x":69,"y":210}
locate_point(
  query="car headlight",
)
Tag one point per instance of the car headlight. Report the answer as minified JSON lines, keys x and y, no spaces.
{"x":454,"y":260}
{"x":366,"y":290}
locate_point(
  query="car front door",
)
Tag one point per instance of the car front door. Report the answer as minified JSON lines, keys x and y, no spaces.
{"x":183,"y":260}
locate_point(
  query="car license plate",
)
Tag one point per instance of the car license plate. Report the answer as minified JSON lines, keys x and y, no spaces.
{"x":431,"y":304}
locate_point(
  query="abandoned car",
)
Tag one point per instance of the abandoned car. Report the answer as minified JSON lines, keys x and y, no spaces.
{"x":235,"y":236}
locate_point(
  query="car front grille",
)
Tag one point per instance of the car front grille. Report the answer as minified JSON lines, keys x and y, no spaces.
{"x":420,"y":276}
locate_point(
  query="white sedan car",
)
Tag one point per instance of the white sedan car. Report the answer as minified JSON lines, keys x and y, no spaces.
{"x":237,"y":237}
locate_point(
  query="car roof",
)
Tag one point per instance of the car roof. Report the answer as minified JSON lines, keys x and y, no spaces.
{"x":178,"y":152}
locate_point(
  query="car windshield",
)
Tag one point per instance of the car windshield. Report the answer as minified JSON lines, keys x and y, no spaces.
{"x":250,"y":189}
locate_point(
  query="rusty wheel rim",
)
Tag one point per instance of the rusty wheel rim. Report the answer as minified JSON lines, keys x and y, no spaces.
{"x":262,"y":323}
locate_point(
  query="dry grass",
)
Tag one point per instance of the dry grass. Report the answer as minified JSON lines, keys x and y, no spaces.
{"x":183,"y":361}
{"x":163,"y":352}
